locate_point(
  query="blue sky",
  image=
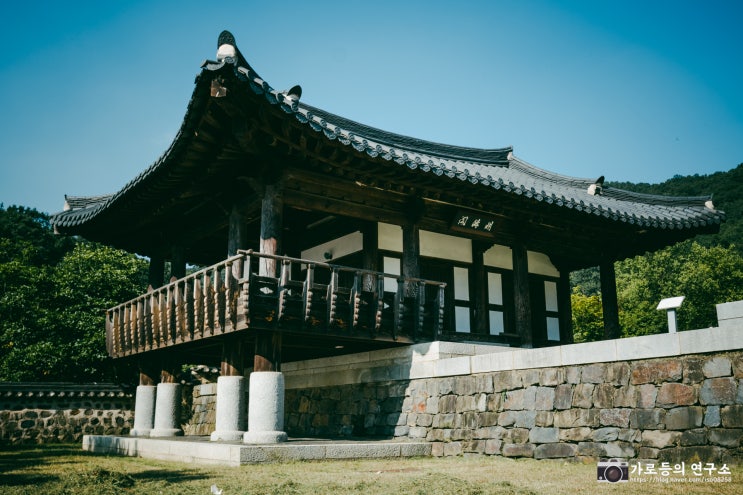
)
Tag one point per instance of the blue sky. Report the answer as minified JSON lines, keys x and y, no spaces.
{"x":92,"y":93}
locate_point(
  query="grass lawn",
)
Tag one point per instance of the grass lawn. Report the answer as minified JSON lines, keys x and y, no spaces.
{"x":53,"y":469}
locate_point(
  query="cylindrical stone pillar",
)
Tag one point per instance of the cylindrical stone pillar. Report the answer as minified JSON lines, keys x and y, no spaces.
{"x":230,"y":409}
{"x":167,"y":410}
{"x":266,"y":408}
{"x":144,"y":411}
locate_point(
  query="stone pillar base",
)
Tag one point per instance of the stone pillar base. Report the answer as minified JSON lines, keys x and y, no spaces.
{"x":230,"y":409}
{"x":144,"y":411}
{"x":266,"y":408}
{"x":167,"y":411}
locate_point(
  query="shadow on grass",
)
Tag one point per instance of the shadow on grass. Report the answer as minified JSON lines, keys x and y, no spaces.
{"x":33,"y":465}
{"x":14,"y":459}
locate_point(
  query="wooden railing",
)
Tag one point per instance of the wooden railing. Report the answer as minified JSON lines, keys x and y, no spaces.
{"x":302,"y":296}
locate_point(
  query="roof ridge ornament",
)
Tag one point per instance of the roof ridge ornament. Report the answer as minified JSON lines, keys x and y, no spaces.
{"x":226,"y":47}
{"x":597,"y":187}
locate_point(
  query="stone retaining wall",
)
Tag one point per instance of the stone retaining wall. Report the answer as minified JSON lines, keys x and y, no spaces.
{"x":669,"y":409}
{"x":61,"y":412}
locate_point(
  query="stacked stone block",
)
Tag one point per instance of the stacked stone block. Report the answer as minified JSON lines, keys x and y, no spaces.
{"x":202,"y":410}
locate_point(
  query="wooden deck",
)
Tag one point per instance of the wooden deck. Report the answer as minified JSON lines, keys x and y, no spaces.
{"x":304,"y":296}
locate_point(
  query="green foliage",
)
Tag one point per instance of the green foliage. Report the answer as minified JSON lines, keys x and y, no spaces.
{"x":54,"y":294}
{"x":588,"y":323}
{"x":705,"y":275}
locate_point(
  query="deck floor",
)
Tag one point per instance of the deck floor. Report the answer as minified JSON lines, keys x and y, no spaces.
{"x":200,"y":450}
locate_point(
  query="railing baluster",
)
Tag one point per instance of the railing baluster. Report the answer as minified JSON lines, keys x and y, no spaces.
{"x":189,"y":302}
{"x":208,"y":305}
{"x":332,"y":298}
{"x":420,"y":310}
{"x":399,"y":310}
{"x":127,"y":337}
{"x":110,"y":333}
{"x":245,"y":289}
{"x":147,"y":302}
{"x":354,"y":301}
{"x":378,"y":314}
{"x":438,"y":325}
{"x":198,"y":308}
{"x":141,"y":334}
{"x":307,"y":295}
{"x":228,"y":320}
{"x":218,"y":301}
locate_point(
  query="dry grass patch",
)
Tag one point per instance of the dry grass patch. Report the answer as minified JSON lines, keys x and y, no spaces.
{"x":62,"y":469}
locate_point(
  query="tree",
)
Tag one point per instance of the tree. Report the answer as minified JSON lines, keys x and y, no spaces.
{"x":53,"y":294}
{"x":705,"y":275}
{"x":588,"y":319}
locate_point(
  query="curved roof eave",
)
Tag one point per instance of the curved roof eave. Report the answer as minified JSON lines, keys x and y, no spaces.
{"x":497,"y":168}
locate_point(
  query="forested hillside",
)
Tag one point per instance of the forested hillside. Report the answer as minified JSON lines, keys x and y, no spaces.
{"x":726,"y":189}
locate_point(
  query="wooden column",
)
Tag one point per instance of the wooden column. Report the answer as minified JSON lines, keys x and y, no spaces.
{"x":156,"y":271}
{"x":267,"y":352}
{"x":411,"y":252}
{"x":237,"y":235}
{"x":609,"y":304}
{"x":272,"y":214}
{"x":268,"y":344}
{"x":565,"y":307}
{"x":370,"y":254}
{"x":521,"y":296}
{"x":148,"y":374}
{"x":479,"y":288}
{"x":167,"y":373}
{"x":178,"y":262}
{"x":232,"y":356}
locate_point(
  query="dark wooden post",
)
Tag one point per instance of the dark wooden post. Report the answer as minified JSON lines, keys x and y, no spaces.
{"x":478,"y":288}
{"x":148,"y":374}
{"x":272,"y":214}
{"x":267,"y":352}
{"x":521,"y":296}
{"x":609,"y":304}
{"x":167,"y":373}
{"x":268,"y":344}
{"x":411,"y":251}
{"x":237,"y":236}
{"x":232,"y":356}
{"x":156,"y":271}
{"x":565,"y":307}
{"x":178,"y":261}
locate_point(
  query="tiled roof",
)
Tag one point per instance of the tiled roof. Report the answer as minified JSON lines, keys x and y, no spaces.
{"x":497,"y":169}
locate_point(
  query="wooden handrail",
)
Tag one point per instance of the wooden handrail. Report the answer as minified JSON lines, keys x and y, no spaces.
{"x":230,"y":296}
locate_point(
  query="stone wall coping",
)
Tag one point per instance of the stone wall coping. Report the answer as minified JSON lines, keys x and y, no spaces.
{"x":62,"y":389}
{"x":728,"y":311}
{"x":439,"y":359}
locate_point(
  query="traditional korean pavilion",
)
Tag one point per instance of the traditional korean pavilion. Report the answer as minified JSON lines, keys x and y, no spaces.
{"x":323,"y":236}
